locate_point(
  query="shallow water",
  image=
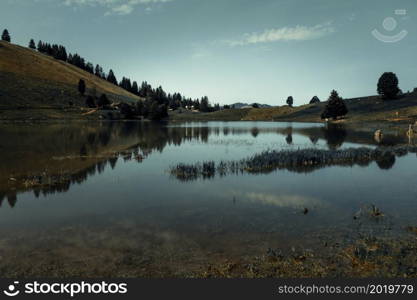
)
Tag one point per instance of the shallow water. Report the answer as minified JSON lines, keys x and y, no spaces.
{"x":115,"y":194}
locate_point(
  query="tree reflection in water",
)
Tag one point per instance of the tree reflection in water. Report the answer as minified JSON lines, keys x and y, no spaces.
{"x":50,"y":158}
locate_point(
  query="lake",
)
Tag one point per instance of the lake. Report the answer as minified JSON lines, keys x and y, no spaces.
{"x":99,"y":198}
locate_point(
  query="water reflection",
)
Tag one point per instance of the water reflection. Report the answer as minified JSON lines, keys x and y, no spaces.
{"x":50,"y":158}
{"x":335,"y":135}
{"x":106,"y":202}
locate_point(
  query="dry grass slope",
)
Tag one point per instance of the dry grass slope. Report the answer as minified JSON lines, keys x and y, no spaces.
{"x":30,"y":79}
{"x":365,"y":109}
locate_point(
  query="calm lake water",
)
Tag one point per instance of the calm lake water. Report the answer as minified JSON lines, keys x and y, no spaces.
{"x":80,"y":191}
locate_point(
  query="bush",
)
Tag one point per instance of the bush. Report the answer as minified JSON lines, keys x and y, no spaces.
{"x":388,"y":85}
{"x":335,"y":107}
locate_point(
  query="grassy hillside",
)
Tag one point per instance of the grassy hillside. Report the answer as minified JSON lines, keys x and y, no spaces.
{"x":31,"y":80}
{"x":366,"y":109}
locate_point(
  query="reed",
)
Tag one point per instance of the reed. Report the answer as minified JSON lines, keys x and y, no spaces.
{"x":302,"y":160}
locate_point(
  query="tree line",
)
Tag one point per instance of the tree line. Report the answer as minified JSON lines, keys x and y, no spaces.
{"x":163,"y":100}
{"x":146,"y":91}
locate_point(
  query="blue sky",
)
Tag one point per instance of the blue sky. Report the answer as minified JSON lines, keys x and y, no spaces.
{"x":234,"y":50}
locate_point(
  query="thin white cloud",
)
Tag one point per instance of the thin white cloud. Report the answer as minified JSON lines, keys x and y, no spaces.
{"x":117,"y":7}
{"x":297,"y":33}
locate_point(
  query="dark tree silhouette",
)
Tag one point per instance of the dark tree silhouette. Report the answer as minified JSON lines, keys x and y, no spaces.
{"x":90,"y":102}
{"x":204,"y":104}
{"x":111,"y":78}
{"x":335,"y":135}
{"x":126,"y":84}
{"x":32,"y":44}
{"x":254,"y":132}
{"x":6,"y":36}
{"x":388,"y":85}
{"x":335,"y":107}
{"x":314,"y":100}
{"x":157,"y":111}
{"x":135,"y":88}
{"x":89,"y":67}
{"x":127,"y":110}
{"x":140,"y":108}
{"x":81,"y":87}
{"x":255,"y":105}
{"x":103,"y":101}
{"x":386,"y":162}
{"x":98,"y":71}
{"x":290,"y":101}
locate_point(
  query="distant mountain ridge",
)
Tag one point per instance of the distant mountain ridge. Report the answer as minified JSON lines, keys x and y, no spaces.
{"x":241,"y":104}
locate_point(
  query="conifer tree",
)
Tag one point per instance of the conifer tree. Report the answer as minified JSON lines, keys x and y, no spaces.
{"x":81,"y":87}
{"x":135,"y":88}
{"x":204,"y":104}
{"x":32,"y":44}
{"x":290,"y":101}
{"x":111,"y":78}
{"x":6,"y":36}
{"x":335,"y":107}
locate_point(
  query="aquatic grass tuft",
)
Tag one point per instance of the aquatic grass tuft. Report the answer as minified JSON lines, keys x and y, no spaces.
{"x":301,"y":160}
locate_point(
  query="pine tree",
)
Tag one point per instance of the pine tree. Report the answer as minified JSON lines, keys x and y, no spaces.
{"x":32,"y":44}
{"x":99,"y":71}
{"x":111,"y":78}
{"x":90,"y":68}
{"x":145,"y":90}
{"x":335,"y":107}
{"x":135,"y":88}
{"x":81,"y":87}
{"x":40,"y":47}
{"x":6,"y":36}
{"x":204,"y":104}
{"x":388,"y":85}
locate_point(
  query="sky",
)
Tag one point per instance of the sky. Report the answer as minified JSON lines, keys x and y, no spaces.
{"x":236,"y":50}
